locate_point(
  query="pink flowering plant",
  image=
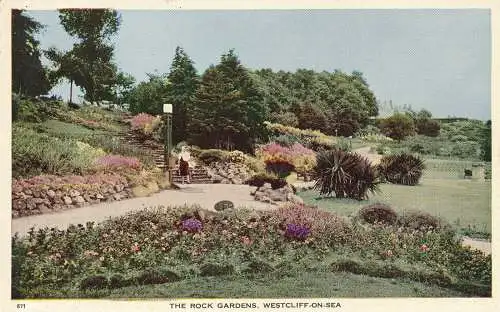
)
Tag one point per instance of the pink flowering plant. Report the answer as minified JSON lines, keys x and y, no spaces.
{"x":295,"y":157}
{"x":118,"y":161}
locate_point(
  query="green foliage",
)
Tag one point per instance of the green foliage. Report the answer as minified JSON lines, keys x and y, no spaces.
{"x":421,"y":221}
{"x":34,"y":153}
{"x":261,"y":178}
{"x":402,"y":169}
{"x":285,"y":118}
{"x":148,"y":97}
{"x":345,"y":174}
{"x":280,"y":167}
{"x":213,"y":155}
{"x":398,"y":126}
{"x":31,"y":110}
{"x":227,"y":111}
{"x":286,"y":140}
{"x":182,"y":84}
{"x":378,"y":213}
{"x":311,"y":117}
{"x":89,"y":63}
{"x":29,"y":77}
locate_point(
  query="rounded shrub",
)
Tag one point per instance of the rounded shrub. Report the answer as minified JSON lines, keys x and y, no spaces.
{"x":378,"y":213}
{"x":402,"y":169}
{"x":422,"y":221}
{"x":347,"y":175}
{"x":223,"y":205}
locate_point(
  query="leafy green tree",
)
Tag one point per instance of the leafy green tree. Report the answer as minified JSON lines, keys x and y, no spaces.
{"x":123,"y":86}
{"x":227,"y":111}
{"x":149,"y":96}
{"x":398,"y":126}
{"x":93,"y":52}
{"x":29,"y":77}
{"x":183,"y":81}
{"x":424,"y":124}
{"x":311,"y":117}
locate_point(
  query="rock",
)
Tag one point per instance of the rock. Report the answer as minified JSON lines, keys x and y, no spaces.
{"x":236,"y":180}
{"x":58,"y":200}
{"x":99,"y":196}
{"x":119,"y":187}
{"x":30,"y":205}
{"x":87,"y":197}
{"x":36,"y":193}
{"x":44,"y":209}
{"x":67,"y":200}
{"x":295,"y":199}
{"x":37,"y":200}
{"x":266,"y":186}
{"x":74,"y":193}
{"x":277,"y":196}
{"x":28,"y":192}
{"x":18,"y":205}
{"x":78,"y":200}
{"x":117,"y":196}
{"x":94,"y":201}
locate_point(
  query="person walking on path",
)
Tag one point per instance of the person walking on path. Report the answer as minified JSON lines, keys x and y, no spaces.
{"x":184,"y":158}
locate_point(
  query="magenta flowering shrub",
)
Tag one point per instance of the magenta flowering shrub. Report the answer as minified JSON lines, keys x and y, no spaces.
{"x":192,"y":225}
{"x":297,"y":231}
{"x":139,"y":121}
{"x":321,"y":225}
{"x":118,"y":161}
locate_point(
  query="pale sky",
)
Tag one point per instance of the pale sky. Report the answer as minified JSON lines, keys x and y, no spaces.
{"x":439,"y":60}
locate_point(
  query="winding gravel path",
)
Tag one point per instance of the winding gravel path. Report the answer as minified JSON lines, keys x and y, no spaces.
{"x":206,"y":195}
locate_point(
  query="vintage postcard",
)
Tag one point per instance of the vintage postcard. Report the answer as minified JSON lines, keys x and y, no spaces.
{"x":191,"y":155}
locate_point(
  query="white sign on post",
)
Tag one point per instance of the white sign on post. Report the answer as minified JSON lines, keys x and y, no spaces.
{"x":167,"y":108}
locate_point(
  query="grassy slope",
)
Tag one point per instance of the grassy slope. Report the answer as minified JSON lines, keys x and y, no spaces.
{"x":441,"y":193}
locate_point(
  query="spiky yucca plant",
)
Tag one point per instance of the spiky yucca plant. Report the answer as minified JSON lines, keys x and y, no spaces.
{"x":345,"y":174}
{"x":402,"y":169}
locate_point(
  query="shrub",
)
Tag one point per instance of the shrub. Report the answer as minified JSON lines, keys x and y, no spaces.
{"x":345,"y":174}
{"x":212,"y":156}
{"x":216,"y":269}
{"x":35,"y":153}
{"x":94,"y":282}
{"x":236,"y":157}
{"x":378,"y":213}
{"x":261,"y":178}
{"x":402,"y":169}
{"x":398,"y":126}
{"x":422,"y":221}
{"x":299,"y":221}
{"x":140,"y":121}
{"x":154,"y":276}
{"x":118,"y":161}
{"x":286,"y":140}
{"x":281,"y":168}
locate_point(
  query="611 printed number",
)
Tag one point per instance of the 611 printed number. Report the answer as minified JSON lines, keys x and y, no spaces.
{"x":21,"y":306}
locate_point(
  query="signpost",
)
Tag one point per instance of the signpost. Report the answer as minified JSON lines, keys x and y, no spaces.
{"x":167,"y":110}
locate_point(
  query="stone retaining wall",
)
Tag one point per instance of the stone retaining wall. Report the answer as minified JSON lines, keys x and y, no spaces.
{"x":45,"y":198}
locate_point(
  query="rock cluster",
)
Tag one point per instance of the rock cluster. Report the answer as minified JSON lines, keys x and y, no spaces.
{"x":266,"y":194}
{"x":38,"y":199}
{"x":229,"y":173}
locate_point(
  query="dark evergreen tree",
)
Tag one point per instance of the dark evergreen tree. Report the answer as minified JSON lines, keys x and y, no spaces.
{"x":183,"y":81}
{"x":29,"y":77}
{"x":228,"y":110}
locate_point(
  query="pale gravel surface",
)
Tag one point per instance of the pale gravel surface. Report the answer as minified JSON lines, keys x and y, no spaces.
{"x":206,"y":195}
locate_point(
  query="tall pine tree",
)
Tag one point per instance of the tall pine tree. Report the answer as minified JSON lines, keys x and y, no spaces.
{"x":183,"y":81}
{"x":228,"y":111}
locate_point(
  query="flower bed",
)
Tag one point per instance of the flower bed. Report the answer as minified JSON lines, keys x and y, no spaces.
{"x":167,"y":244}
{"x":46,"y":193}
{"x":281,"y":159}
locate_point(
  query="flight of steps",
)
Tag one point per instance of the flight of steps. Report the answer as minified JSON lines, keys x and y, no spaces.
{"x":199,"y":174}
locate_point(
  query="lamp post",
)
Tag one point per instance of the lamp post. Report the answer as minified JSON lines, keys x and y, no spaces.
{"x":167,"y":110}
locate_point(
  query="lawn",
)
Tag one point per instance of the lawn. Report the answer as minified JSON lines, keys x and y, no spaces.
{"x":300,"y":284}
{"x":462,"y":203}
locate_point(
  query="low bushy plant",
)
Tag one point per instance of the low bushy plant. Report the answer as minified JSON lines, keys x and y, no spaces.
{"x":402,"y":169}
{"x":345,"y":174}
{"x":422,"y":221}
{"x":261,"y":178}
{"x":378,"y":213}
{"x":213,"y":155}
